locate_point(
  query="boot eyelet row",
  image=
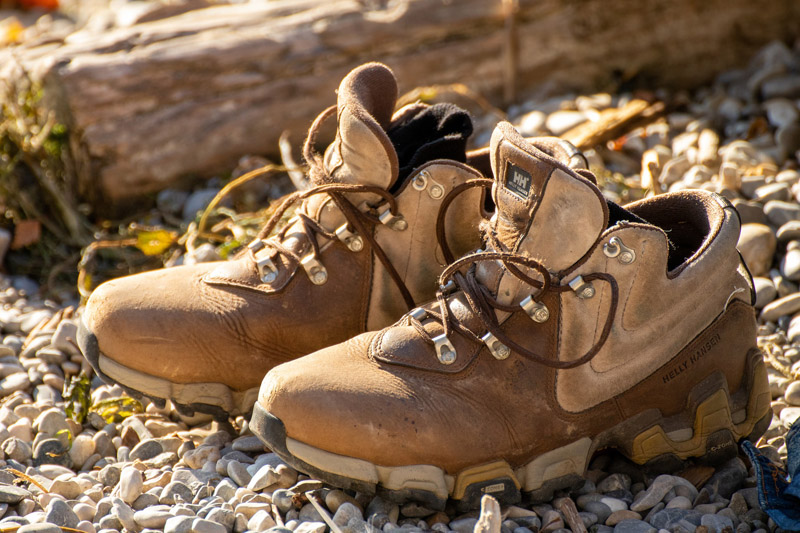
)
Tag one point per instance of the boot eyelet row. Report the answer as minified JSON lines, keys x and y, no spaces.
{"x":616,"y":248}
{"x":536,"y":310}
{"x":352,"y":240}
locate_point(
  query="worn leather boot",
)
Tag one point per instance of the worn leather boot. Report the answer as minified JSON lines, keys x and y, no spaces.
{"x":359,"y":252}
{"x":582,"y":326}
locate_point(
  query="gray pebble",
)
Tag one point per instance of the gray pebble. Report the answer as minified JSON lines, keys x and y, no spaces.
{"x":728,"y":478}
{"x":346,"y":512}
{"x":224,"y":517}
{"x":238,"y":473}
{"x":614,"y":482}
{"x":669,"y":518}
{"x":60,"y":513}
{"x":779,"y":213}
{"x":248,"y":445}
{"x":176,"y":491}
{"x":124,"y":514}
{"x":178,"y":524}
{"x":200,"y":525}
{"x":309,"y":513}
{"x":13,"y":495}
{"x":463,"y":525}
{"x":601,"y":510}
{"x":655,"y":492}
{"x":634,"y":526}
{"x":716,"y":523}
{"x":147,"y":449}
{"x":282,"y":499}
{"x":110,"y":522}
{"x":51,"y":451}
{"x":765,"y":291}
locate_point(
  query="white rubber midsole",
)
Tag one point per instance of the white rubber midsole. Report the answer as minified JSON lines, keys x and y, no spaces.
{"x":563,"y":461}
{"x":216,"y":394}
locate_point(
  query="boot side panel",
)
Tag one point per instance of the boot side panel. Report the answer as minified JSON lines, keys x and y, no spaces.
{"x":414,"y":252}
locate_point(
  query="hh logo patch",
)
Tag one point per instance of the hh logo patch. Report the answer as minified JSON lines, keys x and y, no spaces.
{"x":518,"y":181}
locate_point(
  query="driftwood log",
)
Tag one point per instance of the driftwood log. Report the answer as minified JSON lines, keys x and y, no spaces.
{"x":157,"y":102}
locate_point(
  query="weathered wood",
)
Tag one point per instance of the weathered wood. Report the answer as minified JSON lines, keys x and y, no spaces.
{"x":614,"y":122}
{"x":188,"y":95}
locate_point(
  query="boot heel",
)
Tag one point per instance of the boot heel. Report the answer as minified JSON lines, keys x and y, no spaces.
{"x":720,"y":421}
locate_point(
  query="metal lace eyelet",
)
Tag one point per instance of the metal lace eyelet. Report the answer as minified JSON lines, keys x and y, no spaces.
{"x":418,"y":313}
{"x":420,"y":181}
{"x":315,"y":270}
{"x":616,"y":248}
{"x":395,"y":222}
{"x":267,"y":269}
{"x":583,"y":289}
{"x":350,"y":239}
{"x":256,"y":245}
{"x":499,"y":350}
{"x":445,"y":351}
{"x":536,"y":310}
{"x":448,"y":287}
{"x":435,"y":191}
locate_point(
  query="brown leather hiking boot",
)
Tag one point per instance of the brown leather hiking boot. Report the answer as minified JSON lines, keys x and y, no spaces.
{"x":583,"y":326}
{"x":360,"y":251}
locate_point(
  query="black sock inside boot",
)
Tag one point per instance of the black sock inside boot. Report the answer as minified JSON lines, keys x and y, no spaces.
{"x":436,"y":132}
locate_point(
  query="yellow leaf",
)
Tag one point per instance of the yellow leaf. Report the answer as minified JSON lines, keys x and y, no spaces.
{"x":154,"y":242}
{"x":14,"y":31}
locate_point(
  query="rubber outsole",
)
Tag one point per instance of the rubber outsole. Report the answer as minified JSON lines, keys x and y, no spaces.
{"x":215,"y":399}
{"x":708,"y":432}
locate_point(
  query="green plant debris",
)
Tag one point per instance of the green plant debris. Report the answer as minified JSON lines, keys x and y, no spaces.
{"x":116,"y":410}
{"x":155,"y":242}
{"x":77,"y":393}
{"x":38,"y":183}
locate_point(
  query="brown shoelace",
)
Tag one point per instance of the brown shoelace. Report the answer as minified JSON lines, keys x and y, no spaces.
{"x":357,"y":219}
{"x":483,"y":303}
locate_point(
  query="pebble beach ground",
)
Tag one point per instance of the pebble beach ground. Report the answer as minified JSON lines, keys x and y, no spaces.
{"x":159,"y":470}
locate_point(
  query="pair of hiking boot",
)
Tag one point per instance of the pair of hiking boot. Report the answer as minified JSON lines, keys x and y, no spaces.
{"x":455,"y":352}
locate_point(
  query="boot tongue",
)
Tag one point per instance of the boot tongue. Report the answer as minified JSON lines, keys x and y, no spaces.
{"x":362,"y":152}
{"x":544,"y":209}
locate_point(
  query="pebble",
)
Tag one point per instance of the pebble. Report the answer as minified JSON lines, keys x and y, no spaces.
{"x":633,"y":526}
{"x":788,"y":305}
{"x":757,"y":245}
{"x":790,"y":264}
{"x":130,"y":484}
{"x":12,"y":495}
{"x":346,"y":512}
{"x":154,"y":517}
{"x":623,"y":514}
{"x":42,"y":527}
{"x":716,"y":523}
{"x":561,"y":121}
{"x":147,"y":449}
{"x":178,"y":524}
{"x":655,"y":492}
{"x":238,"y":473}
{"x":261,"y":521}
{"x":61,"y":514}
